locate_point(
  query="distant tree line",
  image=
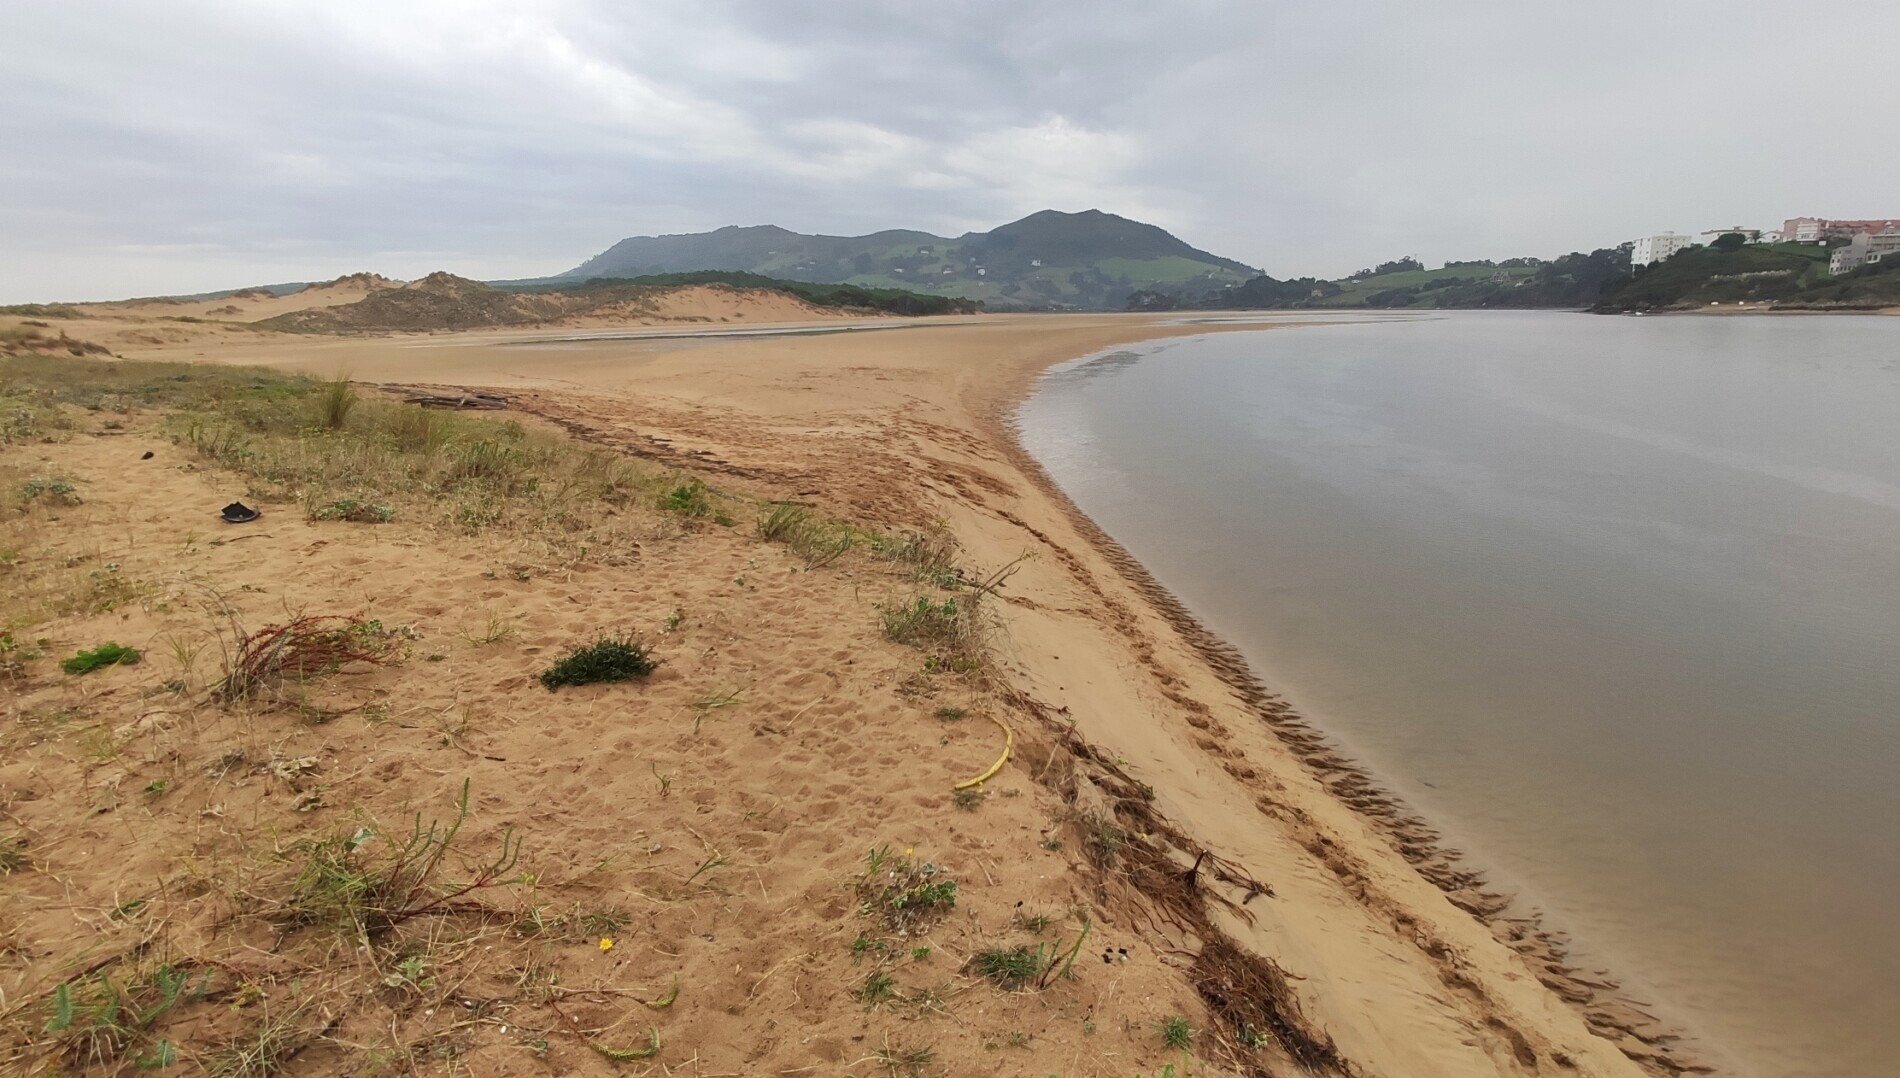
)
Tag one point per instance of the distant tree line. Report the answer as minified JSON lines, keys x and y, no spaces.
{"x":1397,"y":265}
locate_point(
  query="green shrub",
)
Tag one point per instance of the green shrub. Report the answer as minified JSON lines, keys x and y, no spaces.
{"x":55,"y":491}
{"x":611,"y":658}
{"x":107,"y":654}
{"x":687,"y":499}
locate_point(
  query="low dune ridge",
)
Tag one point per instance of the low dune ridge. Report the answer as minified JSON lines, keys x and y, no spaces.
{"x":890,"y":655}
{"x":445,"y":302}
{"x":705,"y":303}
{"x":370,"y":304}
{"x":440,"y":301}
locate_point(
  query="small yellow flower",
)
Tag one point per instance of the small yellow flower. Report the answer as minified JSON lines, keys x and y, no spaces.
{"x":908,"y":850}
{"x":606,"y":944}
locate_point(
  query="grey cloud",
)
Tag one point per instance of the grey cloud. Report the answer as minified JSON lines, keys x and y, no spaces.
{"x":204,"y":144}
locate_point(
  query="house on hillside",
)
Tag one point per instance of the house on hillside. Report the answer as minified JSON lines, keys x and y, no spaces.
{"x":1658,"y":248}
{"x":1865,"y":249}
{"x":1817,"y":229}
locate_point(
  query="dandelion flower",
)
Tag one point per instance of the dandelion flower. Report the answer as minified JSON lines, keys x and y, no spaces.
{"x":606,"y":943}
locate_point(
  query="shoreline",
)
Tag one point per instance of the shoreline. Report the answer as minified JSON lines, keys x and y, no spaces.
{"x":1602,"y":1001}
{"x":1394,"y":951}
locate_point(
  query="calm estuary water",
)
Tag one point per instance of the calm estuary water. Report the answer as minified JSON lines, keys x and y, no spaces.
{"x":1615,"y":601}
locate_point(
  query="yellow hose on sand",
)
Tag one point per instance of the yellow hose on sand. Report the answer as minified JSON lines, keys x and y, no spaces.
{"x":1009,"y":742}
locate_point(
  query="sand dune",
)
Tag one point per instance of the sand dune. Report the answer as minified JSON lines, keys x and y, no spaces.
{"x":249,"y":305}
{"x":366,"y":303}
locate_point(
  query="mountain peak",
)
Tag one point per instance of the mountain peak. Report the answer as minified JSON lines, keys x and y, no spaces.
{"x":1049,"y":259}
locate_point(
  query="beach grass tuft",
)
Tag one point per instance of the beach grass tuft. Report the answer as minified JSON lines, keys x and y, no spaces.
{"x":1009,"y":967}
{"x":610,"y":658}
{"x":930,"y":554}
{"x":783,"y":521}
{"x":334,"y":402}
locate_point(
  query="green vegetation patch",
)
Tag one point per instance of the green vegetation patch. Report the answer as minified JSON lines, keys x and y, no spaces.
{"x":108,"y":654}
{"x":49,"y":491}
{"x":41,"y":310}
{"x":99,"y":1022}
{"x":1009,"y":967}
{"x":611,"y":658}
{"x":355,"y":510}
{"x":689,"y":499}
{"x":904,"y":893}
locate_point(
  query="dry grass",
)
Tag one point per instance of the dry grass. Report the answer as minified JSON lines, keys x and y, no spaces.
{"x":342,"y":452}
{"x":955,"y":629}
{"x":815,"y":539}
{"x":365,"y":881}
{"x":930,"y":555}
{"x":41,"y":579}
{"x":303,"y":647}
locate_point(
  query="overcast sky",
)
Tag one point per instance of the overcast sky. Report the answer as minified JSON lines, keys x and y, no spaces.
{"x":192,"y":144}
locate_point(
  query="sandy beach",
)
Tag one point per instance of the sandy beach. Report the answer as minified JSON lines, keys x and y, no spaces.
{"x":1230,"y":867}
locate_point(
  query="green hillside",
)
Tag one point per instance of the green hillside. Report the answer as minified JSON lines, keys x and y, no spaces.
{"x":1088,"y":260}
{"x":1575,"y":280}
{"x":1787,"y":275}
{"x":1415,"y":288}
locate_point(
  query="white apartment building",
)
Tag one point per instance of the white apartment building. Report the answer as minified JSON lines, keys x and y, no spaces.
{"x":1865,"y":248}
{"x":1657,"y":248}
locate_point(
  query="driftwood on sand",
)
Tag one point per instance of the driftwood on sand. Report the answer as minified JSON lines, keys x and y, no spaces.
{"x":431,"y":398}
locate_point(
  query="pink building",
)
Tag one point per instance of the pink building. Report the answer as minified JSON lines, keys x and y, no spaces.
{"x":1816,"y":229}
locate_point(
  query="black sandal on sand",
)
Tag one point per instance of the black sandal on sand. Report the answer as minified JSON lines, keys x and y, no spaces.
{"x":239,"y":513}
